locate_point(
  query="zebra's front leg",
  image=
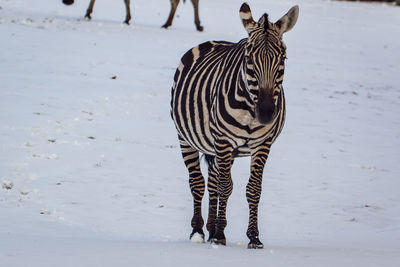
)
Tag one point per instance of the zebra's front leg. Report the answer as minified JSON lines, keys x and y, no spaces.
{"x":253,"y":192}
{"x":196,"y":15}
{"x":90,"y":10}
{"x":128,"y":11}
{"x":224,"y":187}
{"x":197,"y":187}
{"x":213,"y":198}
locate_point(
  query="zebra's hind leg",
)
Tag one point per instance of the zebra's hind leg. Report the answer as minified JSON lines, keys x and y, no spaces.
{"x":89,"y":10}
{"x":196,"y":15}
{"x":253,"y":192}
{"x":174,"y":5}
{"x":128,"y":11}
{"x":197,"y":187}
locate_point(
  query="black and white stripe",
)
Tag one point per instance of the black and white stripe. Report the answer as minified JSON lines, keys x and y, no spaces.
{"x":227,"y":101}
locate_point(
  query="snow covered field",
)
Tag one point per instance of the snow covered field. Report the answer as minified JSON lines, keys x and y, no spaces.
{"x":98,"y":180}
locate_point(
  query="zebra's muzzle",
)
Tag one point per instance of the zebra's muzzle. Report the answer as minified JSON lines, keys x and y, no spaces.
{"x":265,"y":107}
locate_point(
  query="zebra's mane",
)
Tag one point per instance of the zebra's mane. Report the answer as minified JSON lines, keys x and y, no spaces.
{"x":266,"y":22}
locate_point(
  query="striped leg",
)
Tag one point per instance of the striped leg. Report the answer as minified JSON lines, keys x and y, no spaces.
{"x":213,"y":197}
{"x":224,"y":187}
{"x":197,"y":186}
{"x":253,"y":192}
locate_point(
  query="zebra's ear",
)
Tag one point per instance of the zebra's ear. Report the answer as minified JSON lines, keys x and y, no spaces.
{"x":247,"y":19}
{"x":287,"y":22}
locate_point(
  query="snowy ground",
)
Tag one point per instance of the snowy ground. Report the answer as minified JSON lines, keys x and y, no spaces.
{"x":97,"y":175}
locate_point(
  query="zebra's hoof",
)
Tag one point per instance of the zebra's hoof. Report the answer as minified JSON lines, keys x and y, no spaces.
{"x":200,"y":28}
{"x":211,"y":237}
{"x":255,"y":244}
{"x":165,"y":26}
{"x":197,"y":236}
{"x":218,"y":241}
{"x":218,"y":238}
{"x":88,"y":17}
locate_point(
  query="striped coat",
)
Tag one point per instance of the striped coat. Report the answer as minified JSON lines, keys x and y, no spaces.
{"x":227,"y":101}
{"x":215,"y":104}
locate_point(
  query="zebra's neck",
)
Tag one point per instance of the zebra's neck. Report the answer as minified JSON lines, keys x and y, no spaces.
{"x":240,"y":89}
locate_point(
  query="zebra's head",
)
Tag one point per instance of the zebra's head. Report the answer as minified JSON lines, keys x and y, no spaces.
{"x":265,"y":55}
{"x":68,"y":2}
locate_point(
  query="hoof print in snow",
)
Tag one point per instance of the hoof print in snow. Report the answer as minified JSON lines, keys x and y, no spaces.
{"x":45,"y":212}
{"x":53,"y":157}
{"x":87,"y":112}
{"x":113,"y":77}
{"x":7,"y":185}
{"x":91,"y":137}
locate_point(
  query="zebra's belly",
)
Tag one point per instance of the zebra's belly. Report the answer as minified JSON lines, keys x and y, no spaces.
{"x":204,"y":143}
{"x":197,"y":136}
{"x":241,"y":151}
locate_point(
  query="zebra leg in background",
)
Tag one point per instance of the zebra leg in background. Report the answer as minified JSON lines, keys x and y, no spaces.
{"x":196,"y":15}
{"x":253,"y":192}
{"x":128,"y":11}
{"x":90,"y":10}
{"x":213,"y":197}
{"x":174,"y":5}
{"x":224,"y":187}
{"x":197,"y":186}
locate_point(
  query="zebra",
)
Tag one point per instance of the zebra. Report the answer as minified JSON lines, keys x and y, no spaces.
{"x":227,"y":101}
{"x":174,"y":5}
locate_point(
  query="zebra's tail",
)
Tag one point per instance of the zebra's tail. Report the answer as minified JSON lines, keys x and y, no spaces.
{"x":209,"y":159}
{"x":184,"y":1}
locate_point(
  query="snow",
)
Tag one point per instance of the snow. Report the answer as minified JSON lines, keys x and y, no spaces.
{"x":197,"y":238}
{"x":87,"y":141}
